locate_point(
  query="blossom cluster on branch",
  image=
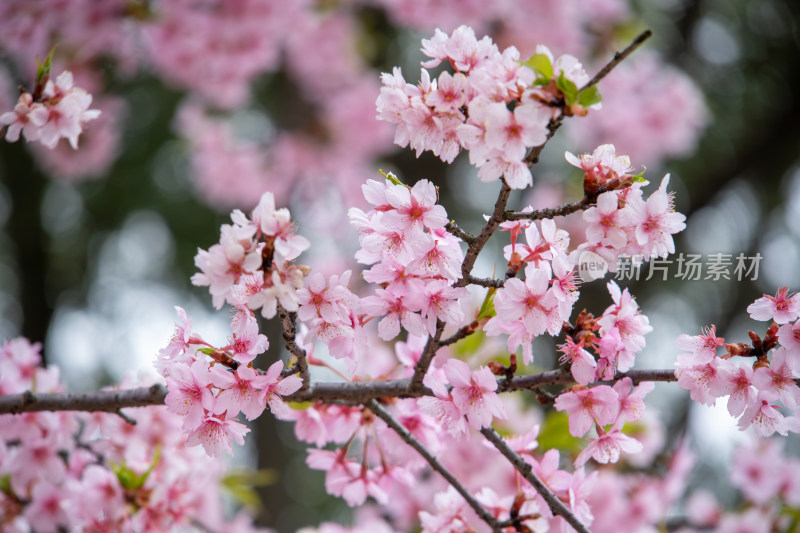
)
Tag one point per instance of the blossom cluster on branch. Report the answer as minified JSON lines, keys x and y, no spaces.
{"x":75,"y":471}
{"x":455,"y":351}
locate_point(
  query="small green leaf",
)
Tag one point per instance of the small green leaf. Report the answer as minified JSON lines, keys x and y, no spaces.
{"x":207,"y":350}
{"x":590,"y":96}
{"x":568,"y":88}
{"x":540,"y":64}
{"x":487,"y":307}
{"x":555,"y":434}
{"x":391,"y":177}
{"x":43,"y":69}
{"x":131,"y":480}
{"x":639,"y":178}
{"x":5,"y":484}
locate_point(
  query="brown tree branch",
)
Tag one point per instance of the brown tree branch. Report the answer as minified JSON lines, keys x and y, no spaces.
{"x":488,"y":230}
{"x":454,"y":228}
{"x":359,"y":392}
{"x":562,"y":211}
{"x":404,"y":434}
{"x":425,"y":359}
{"x":109,"y":401}
{"x":289,"y":323}
{"x":618,"y":58}
{"x":556,"y":505}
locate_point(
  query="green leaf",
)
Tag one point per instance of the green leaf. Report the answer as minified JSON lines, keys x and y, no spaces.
{"x":5,"y":484}
{"x":590,"y":96}
{"x":568,"y":88}
{"x":391,"y":177}
{"x":207,"y":350}
{"x":540,"y":64}
{"x":128,"y":478}
{"x":241,"y":485}
{"x":487,"y":307}
{"x":640,"y":176}
{"x":43,"y":69}
{"x":555,"y":434}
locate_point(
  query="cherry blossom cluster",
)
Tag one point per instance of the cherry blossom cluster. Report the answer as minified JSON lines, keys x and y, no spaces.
{"x":493,"y":105}
{"x":68,"y":471}
{"x":414,"y":259}
{"x":543,"y":301}
{"x":209,"y":386}
{"x":752,"y":388}
{"x":601,"y":406}
{"x":252,"y":264}
{"x":54,"y":111}
{"x":623,"y":223}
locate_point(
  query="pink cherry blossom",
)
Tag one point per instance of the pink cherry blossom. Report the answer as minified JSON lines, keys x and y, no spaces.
{"x":737,"y":383}
{"x":273,"y":387}
{"x":764,"y":418}
{"x":656,"y":221}
{"x":189,"y":394}
{"x":789,"y":337}
{"x":586,"y":406}
{"x":605,"y":222}
{"x":473,"y":393}
{"x":781,"y":308}
{"x":442,"y":406}
{"x":246,"y":342}
{"x":703,"y":348}
{"x":631,"y":401}
{"x":399,"y":308}
{"x":702,"y":381}
{"x":441,"y":303}
{"x":582,"y":363}
{"x":239,"y":391}
{"x":414,"y":208}
{"x":776,"y":381}
{"x":27,"y":117}
{"x":529,"y":300}
{"x":180,"y":338}
{"x":602,"y":165}
{"x":215,"y":434}
{"x":606,"y":448}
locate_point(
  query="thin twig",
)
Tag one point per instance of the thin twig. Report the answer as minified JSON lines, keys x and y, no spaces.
{"x":489,"y":228}
{"x":556,"y":505}
{"x":453,"y":228}
{"x":463,"y":332}
{"x":618,"y":58}
{"x":540,"y":214}
{"x":404,"y":434}
{"x":289,"y":323}
{"x":424,"y":361}
{"x":486,"y":282}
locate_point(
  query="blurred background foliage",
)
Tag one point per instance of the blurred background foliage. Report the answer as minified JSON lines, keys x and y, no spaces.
{"x":92,"y":268}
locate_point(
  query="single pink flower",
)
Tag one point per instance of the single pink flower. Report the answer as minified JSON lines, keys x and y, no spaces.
{"x":781,"y":308}
{"x":215,"y":434}
{"x":189,"y":394}
{"x":606,"y":448}
{"x":473,"y":393}
{"x":273,"y":387}
{"x":585,"y":407}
